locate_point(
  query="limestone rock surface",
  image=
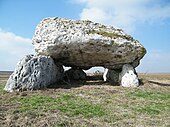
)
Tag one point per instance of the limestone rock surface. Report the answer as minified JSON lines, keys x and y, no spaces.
{"x":84,"y":44}
{"x":128,"y":77}
{"x":34,"y":72}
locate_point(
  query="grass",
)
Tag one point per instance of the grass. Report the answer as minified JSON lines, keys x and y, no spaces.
{"x":88,"y":105}
{"x":152,"y":109}
{"x":35,"y":103}
{"x":154,"y":103}
{"x":150,"y":95}
{"x":76,"y":106}
{"x":69,"y":104}
{"x":1,"y":88}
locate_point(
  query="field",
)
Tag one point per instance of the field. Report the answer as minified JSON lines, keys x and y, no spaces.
{"x":91,"y":103}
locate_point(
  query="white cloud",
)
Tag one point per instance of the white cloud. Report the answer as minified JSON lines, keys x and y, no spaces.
{"x":155,"y":61}
{"x":124,"y":13}
{"x":12,"y":49}
{"x":95,"y":14}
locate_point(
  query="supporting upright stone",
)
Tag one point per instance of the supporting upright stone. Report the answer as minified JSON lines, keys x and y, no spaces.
{"x":113,"y":76}
{"x":128,"y":76}
{"x":34,"y":72}
{"x":75,"y":74}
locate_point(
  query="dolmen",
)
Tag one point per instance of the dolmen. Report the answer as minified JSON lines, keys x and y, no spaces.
{"x":79,"y":44}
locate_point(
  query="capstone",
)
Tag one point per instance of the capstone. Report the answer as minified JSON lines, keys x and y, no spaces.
{"x":85,"y":44}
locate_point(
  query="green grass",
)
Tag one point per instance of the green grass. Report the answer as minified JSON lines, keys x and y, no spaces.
{"x":75,"y":106}
{"x":153,"y":103}
{"x":1,"y":88}
{"x":36,"y":103}
{"x":69,"y":104}
{"x":89,"y":105}
{"x":153,"y":108}
{"x":150,"y":95}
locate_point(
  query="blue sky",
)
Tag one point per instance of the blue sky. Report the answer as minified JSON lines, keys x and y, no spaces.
{"x":146,"y":20}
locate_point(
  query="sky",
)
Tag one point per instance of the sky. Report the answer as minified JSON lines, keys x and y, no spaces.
{"x":146,"y":20}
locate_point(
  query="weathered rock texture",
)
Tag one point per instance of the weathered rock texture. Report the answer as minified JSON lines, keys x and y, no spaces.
{"x":80,"y":45}
{"x":34,"y":72}
{"x":128,"y":76}
{"x":113,"y":76}
{"x":75,"y":74}
{"x":85,"y":44}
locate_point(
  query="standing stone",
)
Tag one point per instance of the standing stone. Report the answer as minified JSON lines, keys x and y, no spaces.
{"x":34,"y":72}
{"x":75,"y":74}
{"x":128,"y":77}
{"x":113,"y":76}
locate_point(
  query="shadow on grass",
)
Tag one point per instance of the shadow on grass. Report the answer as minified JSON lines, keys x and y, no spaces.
{"x":158,"y":83}
{"x":94,"y":80}
{"x":143,"y":81}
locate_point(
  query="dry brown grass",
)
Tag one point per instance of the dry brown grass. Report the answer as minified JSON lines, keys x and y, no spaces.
{"x":147,"y":105}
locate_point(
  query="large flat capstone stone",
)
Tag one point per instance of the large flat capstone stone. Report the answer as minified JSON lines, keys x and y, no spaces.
{"x":84,"y":44}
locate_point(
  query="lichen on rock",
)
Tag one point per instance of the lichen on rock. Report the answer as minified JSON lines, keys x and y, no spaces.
{"x":84,"y":44}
